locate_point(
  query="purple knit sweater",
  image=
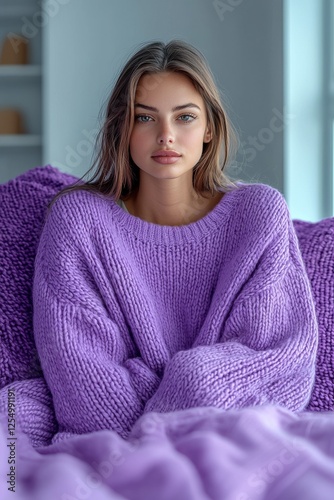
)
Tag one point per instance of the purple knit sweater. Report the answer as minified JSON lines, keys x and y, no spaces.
{"x":132,"y":317}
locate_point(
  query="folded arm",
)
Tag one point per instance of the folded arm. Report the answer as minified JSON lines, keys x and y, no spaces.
{"x":267,"y":348}
{"x":87,"y":359}
{"x":91,"y":388}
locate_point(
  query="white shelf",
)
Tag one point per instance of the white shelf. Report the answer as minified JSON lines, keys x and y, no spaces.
{"x":20,"y":70}
{"x":12,"y":11}
{"x":21,"y":86}
{"x":20,"y":140}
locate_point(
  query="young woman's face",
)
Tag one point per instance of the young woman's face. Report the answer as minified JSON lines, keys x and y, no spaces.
{"x":158,"y":125}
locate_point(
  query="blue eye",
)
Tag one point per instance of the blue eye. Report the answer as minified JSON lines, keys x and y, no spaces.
{"x":188,"y":115}
{"x":145,"y":118}
{"x":137,"y":118}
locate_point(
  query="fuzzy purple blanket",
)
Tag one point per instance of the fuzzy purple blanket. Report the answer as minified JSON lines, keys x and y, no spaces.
{"x":259,"y":453}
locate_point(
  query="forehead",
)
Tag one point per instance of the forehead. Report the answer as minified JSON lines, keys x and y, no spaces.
{"x":166,"y":85}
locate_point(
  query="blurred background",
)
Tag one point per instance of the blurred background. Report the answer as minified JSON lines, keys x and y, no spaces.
{"x":272,"y":59}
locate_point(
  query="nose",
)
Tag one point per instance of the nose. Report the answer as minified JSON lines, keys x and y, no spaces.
{"x":165,"y":134}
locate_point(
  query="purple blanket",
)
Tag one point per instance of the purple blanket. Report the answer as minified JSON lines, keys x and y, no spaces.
{"x":195,"y":454}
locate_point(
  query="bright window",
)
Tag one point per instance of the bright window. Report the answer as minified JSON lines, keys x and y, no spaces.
{"x":309,"y":104}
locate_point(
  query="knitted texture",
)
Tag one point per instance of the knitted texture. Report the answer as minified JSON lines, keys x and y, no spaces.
{"x":23,"y":202}
{"x":316,"y":242}
{"x":132,"y":317}
{"x":178,"y":313}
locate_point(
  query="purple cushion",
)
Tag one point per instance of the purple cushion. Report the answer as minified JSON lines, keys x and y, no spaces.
{"x":23,"y":202}
{"x":316,"y":242}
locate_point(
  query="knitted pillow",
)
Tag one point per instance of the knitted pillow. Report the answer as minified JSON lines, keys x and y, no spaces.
{"x":23,"y":202}
{"x":316,"y":242}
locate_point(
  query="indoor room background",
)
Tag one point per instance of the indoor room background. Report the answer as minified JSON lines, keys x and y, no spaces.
{"x":272,"y":59}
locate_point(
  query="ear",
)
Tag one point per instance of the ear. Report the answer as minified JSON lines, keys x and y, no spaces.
{"x":208,"y":135}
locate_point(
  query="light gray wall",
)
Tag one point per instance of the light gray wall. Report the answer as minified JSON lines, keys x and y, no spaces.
{"x":86,"y":43}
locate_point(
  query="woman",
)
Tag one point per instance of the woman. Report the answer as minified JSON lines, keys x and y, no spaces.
{"x":163,"y":285}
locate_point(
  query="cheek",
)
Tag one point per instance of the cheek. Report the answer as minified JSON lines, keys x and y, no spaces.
{"x":134,"y":141}
{"x":137,"y":137}
{"x":195,"y":138}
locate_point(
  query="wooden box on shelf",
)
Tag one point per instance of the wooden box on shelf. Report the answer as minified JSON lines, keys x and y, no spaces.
{"x":11,"y":121}
{"x":15,"y":50}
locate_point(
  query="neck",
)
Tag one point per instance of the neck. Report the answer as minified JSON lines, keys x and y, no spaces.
{"x":171,"y":212}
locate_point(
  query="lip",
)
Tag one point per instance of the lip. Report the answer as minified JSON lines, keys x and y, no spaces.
{"x":166,"y":152}
{"x":166,"y":160}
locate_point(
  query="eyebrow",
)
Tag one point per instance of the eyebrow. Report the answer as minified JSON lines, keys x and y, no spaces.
{"x":177,"y":108}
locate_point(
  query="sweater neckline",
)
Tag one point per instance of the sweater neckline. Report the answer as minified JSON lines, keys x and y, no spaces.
{"x":174,"y":235}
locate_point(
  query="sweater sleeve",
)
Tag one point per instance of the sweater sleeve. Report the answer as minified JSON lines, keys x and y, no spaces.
{"x":84,"y":356}
{"x":90,"y":389}
{"x":267,"y":346}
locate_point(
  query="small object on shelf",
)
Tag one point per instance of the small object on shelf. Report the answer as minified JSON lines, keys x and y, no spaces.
{"x":14,"y":50}
{"x":21,"y":85}
{"x":11,"y":121}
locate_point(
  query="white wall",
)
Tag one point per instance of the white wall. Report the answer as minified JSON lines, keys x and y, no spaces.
{"x":86,"y":43}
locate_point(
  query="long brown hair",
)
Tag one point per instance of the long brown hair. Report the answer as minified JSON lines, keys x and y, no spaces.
{"x":116,"y":174}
